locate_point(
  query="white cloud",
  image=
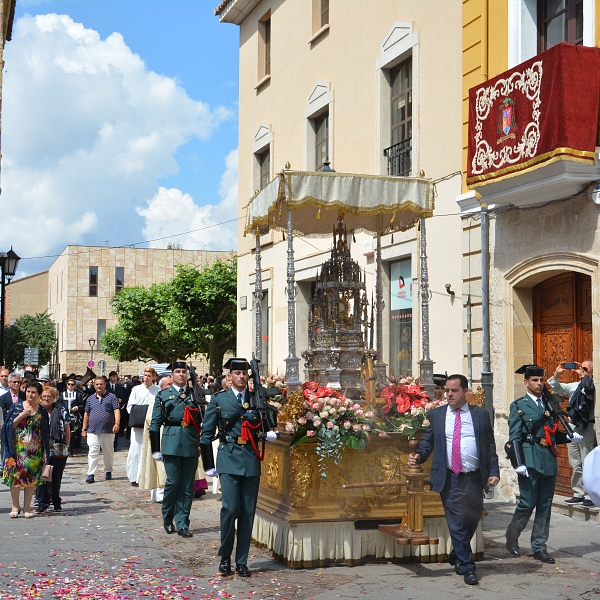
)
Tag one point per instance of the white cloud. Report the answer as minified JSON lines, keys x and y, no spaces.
{"x":88,"y":131}
{"x":172,"y":212}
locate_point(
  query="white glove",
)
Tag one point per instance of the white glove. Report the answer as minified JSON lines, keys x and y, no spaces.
{"x":576,"y":437}
{"x":272,"y":436}
{"x":212,"y":473}
{"x":157,"y":456}
{"x":522,"y":470}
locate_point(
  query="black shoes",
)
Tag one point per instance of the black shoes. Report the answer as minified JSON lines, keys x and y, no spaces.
{"x":471,"y":577}
{"x":169,"y":527}
{"x":90,"y":479}
{"x":242,"y":570}
{"x":574,"y":500}
{"x":185,"y":532}
{"x":108,"y":476}
{"x":544,"y":557}
{"x":587,"y":504}
{"x":513,"y":547}
{"x":225,"y":566}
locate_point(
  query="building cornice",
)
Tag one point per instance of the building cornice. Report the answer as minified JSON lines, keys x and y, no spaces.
{"x":235,"y":11}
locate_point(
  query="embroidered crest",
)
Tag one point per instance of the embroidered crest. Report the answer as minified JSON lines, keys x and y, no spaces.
{"x":507,"y":120}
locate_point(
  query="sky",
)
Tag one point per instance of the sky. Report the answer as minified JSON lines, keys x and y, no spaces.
{"x":119,"y":127}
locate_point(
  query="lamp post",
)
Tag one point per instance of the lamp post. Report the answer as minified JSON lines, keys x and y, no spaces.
{"x":92,"y":342}
{"x":9,"y":261}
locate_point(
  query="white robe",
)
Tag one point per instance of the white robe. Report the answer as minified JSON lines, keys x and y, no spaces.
{"x":141,"y":396}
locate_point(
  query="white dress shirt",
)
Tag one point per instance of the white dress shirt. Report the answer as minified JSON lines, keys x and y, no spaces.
{"x":468,"y":445}
{"x":536,"y":401}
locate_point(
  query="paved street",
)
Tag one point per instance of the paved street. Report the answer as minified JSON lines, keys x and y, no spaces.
{"x":109,"y":543}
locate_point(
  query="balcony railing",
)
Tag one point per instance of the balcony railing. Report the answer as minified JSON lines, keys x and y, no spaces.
{"x":399,"y":157}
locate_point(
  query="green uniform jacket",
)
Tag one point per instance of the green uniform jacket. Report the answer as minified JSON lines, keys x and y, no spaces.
{"x":536,"y":456}
{"x":176,"y":440}
{"x":233,"y":459}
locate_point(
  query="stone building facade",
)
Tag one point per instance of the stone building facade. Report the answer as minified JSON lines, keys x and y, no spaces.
{"x":26,"y":296}
{"x":81,"y":282}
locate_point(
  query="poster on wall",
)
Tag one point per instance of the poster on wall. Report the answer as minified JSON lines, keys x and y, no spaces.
{"x":401,"y":285}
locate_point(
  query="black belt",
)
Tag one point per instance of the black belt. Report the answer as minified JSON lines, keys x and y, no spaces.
{"x":173,"y":423}
{"x":232,"y":440}
{"x":591,"y":420}
{"x":466,"y":473}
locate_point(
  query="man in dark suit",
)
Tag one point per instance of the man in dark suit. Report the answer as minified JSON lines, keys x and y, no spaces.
{"x":465,"y":462}
{"x":14,"y":393}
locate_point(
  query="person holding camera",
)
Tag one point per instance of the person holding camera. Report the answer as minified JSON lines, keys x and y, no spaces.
{"x":581,"y":409}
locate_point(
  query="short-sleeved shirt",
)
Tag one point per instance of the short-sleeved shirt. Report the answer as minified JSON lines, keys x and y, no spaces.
{"x":102,"y":415}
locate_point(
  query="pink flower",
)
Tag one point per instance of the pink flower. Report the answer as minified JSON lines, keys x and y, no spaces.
{"x":310,"y":433}
{"x":317,"y":422}
{"x":302,"y":420}
{"x":383,"y":434}
{"x":324,"y":414}
{"x":366,"y":428}
{"x":329,"y":425}
{"x":347,"y":424}
{"x":356,"y":427}
{"x":278,"y":385}
{"x":369,"y":414}
{"x":429,"y":406}
{"x":425,"y":422}
{"x":289,"y":427}
{"x":356,"y":407}
{"x":309,"y":416}
{"x":333,"y":412}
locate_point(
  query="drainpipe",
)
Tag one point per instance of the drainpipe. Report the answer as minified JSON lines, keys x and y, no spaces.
{"x":486,"y":374}
{"x":469,"y":350}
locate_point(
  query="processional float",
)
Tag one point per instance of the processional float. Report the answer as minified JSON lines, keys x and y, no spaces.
{"x":303,"y":519}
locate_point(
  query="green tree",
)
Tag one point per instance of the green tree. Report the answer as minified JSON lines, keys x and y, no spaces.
{"x":208,"y":301}
{"x":29,"y":331}
{"x":150,"y":326}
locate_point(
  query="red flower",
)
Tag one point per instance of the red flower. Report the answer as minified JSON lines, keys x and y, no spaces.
{"x":310,"y":385}
{"x":324,"y":392}
{"x":402,"y":403}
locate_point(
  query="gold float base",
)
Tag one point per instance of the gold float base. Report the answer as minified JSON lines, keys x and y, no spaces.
{"x":312,"y":545}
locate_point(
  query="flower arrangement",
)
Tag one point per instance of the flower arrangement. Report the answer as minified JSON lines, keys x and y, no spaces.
{"x":333,"y":420}
{"x":277,"y":388}
{"x":406,"y":406}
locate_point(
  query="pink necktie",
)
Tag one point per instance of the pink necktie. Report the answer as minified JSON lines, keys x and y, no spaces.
{"x":456,"y":460}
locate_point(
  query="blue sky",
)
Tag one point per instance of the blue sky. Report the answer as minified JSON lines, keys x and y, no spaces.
{"x":100,"y":145}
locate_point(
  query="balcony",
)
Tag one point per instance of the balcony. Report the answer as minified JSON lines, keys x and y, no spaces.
{"x":533,"y":129}
{"x":399,"y":157}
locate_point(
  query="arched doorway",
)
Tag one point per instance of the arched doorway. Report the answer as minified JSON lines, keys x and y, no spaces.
{"x":562,"y":327}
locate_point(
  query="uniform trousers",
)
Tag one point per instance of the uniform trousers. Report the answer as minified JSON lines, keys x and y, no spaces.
{"x":179,"y":489}
{"x":238,"y":496}
{"x":96,"y":442}
{"x":577,"y":454}
{"x":536,"y":492}
{"x":462,"y":499}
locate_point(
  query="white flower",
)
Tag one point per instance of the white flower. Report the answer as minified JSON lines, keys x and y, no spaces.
{"x":289,"y":427}
{"x":425,"y":422}
{"x":317,"y":422}
{"x":333,"y":412}
{"x":366,"y":428}
{"x":347,"y":424}
{"x":341,"y":410}
{"x":329,"y":425}
{"x":369,"y":414}
{"x":324,"y":414}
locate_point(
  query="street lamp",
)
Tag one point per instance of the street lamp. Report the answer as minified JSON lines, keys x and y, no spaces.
{"x":9,"y":261}
{"x":92,"y":342}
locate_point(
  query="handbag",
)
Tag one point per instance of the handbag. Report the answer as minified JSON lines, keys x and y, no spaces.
{"x":137,"y":415}
{"x":47,"y":473}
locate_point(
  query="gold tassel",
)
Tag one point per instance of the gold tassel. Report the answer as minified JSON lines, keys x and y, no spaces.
{"x":319,"y":215}
{"x":392,"y":219}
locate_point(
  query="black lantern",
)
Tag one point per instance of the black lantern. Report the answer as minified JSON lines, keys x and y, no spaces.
{"x":11,"y":262}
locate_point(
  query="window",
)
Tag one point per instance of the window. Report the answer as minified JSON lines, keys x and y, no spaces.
{"x":399,"y":153}
{"x":93,"y":281}
{"x":559,"y":21}
{"x":321,"y":140}
{"x":119,"y":279}
{"x":264,"y":165}
{"x":264,"y":46}
{"x":100,"y":331}
{"x":324,"y":12}
{"x":401,"y":318}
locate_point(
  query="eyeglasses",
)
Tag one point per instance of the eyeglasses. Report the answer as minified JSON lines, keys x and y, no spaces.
{"x":70,"y":384}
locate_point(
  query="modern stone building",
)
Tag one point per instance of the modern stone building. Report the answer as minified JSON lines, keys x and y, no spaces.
{"x":373,"y":88}
{"x":544,"y":245}
{"x":81,"y":283}
{"x":26,"y":296}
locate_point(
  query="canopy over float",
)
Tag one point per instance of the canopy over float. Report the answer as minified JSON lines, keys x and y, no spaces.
{"x":312,"y":204}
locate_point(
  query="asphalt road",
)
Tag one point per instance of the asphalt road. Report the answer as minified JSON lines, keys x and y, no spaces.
{"x":109,"y":543}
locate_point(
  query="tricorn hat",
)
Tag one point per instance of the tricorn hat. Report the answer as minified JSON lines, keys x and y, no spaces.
{"x":178,"y":364}
{"x":531,"y":371}
{"x":439,"y":379}
{"x":234,"y":364}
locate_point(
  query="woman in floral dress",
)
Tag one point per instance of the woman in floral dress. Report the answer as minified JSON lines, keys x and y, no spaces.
{"x":26,"y":435}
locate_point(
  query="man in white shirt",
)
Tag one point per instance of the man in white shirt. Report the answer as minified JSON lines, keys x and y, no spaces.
{"x":577,"y":452}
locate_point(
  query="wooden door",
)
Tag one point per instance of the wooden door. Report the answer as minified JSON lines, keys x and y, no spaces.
{"x":562,"y":326}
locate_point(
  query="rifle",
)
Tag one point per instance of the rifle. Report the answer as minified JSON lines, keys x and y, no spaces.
{"x":197,"y":392}
{"x":258,"y":399}
{"x":554,"y":407}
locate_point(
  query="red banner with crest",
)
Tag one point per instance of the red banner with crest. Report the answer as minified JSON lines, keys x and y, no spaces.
{"x":543,"y":110}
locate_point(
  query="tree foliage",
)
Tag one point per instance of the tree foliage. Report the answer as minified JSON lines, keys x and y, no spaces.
{"x":193,"y":313}
{"x":149,"y":326}
{"x":208,"y":300}
{"x":29,"y":331}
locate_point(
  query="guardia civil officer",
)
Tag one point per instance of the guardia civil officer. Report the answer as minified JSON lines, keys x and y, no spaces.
{"x":533,"y":431}
{"x":175,"y":408}
{"x":238,"y":465}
